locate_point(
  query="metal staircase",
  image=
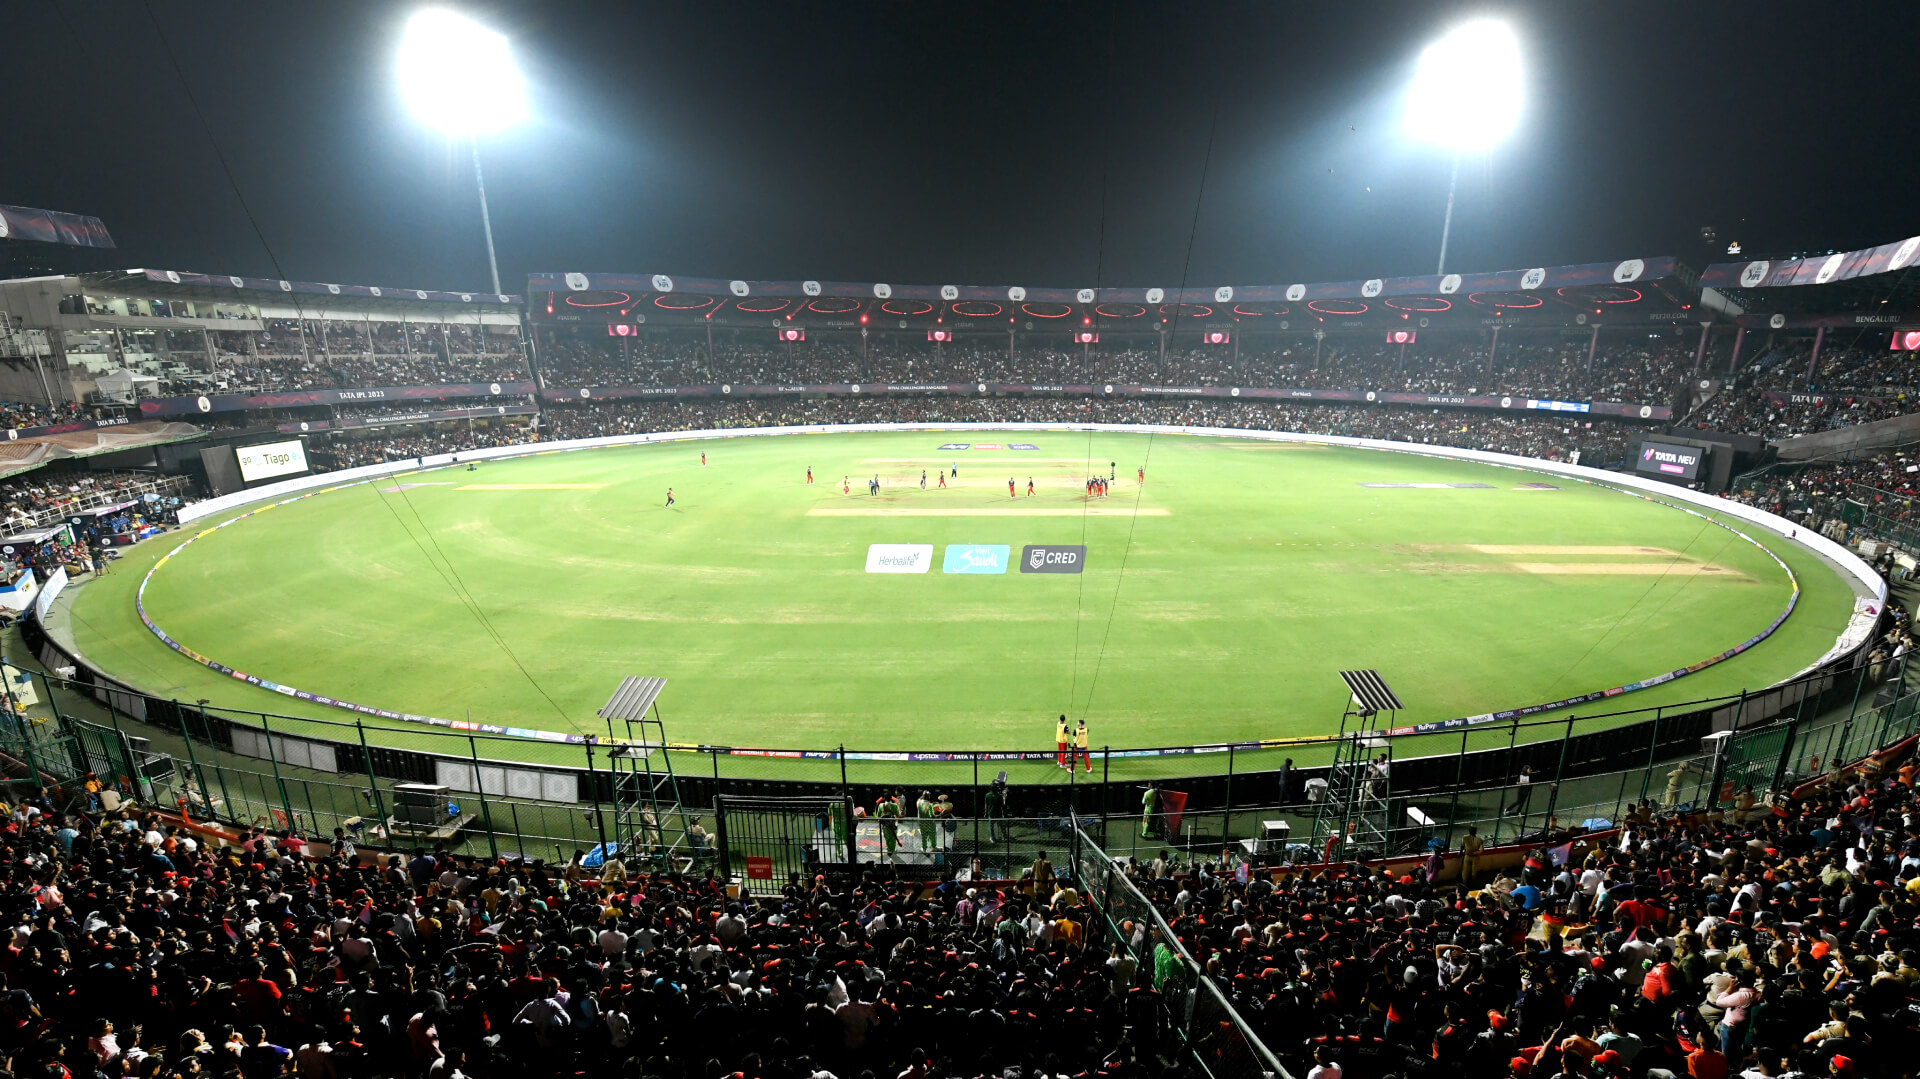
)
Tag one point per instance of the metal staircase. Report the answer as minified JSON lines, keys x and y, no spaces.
{"x":1354,"y":817}
{"x":649,"y":821}
{"x":1355,"y":808}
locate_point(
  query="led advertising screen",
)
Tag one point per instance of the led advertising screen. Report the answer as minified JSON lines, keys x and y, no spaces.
{"x":1670,"y":461}
{"x":271,"y":459}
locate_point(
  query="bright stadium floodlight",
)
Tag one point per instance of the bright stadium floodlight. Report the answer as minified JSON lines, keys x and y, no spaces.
{"x":1466,"y":96}
{"x":459,"y":78}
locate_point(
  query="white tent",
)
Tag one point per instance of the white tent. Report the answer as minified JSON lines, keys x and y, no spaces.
{"x":125,"y":386}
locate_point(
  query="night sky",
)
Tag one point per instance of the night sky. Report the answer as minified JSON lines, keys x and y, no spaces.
{"x":1033,"y":144}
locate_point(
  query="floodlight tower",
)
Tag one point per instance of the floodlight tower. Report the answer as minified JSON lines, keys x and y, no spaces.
{"x":1465,"y":96}
{"x":459,"y":78}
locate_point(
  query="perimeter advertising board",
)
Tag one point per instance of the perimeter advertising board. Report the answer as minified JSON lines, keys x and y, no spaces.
{"x":271,"y":459}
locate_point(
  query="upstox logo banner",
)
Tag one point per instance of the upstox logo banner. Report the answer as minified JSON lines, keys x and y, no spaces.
{"x":1063,"y":559}
{"x":976,"y":558}
{"x":899,"y":557}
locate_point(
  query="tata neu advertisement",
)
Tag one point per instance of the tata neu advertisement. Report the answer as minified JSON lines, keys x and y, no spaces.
{"x":1669,"y":461}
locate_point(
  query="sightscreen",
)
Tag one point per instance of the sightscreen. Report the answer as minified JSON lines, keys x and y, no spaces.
{"x":271,"y":459}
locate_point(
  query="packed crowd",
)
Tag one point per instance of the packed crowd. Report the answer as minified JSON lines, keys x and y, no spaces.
{"x":1765,"y":942}
{"x":375,"y":445}
{"x":43,"y":496}
{"x":290,"y":355}
{"x":1774,"y":397}
{"x":1873,"y":496}
{"x":18,"y":414}
{"x":1546,"y":435}
{"x":1551,"y":367}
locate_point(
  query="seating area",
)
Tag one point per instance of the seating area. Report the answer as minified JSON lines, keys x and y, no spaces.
{"x":1548,"y":435}
{"x":1551,"y":367}
{"x":1777,"y":941}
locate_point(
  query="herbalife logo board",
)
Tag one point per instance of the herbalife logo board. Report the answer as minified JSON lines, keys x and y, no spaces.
{"x":899,"y":557}
{"x":1063,"y":559}
{"x":976,"y":558}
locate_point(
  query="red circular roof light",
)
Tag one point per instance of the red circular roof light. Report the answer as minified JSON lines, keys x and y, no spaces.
{"x":1182,"y":309}
{"x":779,"y":305}
{"x":1314,"y":305}
{"x":1419,"y":303}
{"x":1505,"y":300}
{"x":1133,"y":310}
{"x":924,"y":307}
{"x":574,"y":301}
{"x":976,"y":308}
{"x":1601,"y":294}
{"x":1060,"y":310}
{"x":837,"y":308}
{"x":1272,"y":310}
{"x":661,"y":301}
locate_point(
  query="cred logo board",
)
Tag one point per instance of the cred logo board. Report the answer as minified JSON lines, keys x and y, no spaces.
{"x":1062,"y":559}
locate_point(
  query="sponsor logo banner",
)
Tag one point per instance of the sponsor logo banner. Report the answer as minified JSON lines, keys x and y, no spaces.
{"x":899,"y":557}
{"x":976,"y":558}
{"x":1668,"y":459}
{"x":986,"y":445}
{"x":1065,"y":558}
{"x":952,"y":446}
{"x":1022,"y":446}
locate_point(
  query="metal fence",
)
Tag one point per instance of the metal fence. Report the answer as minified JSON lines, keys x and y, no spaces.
{"x":1220,"y":1040}
{"x":511,"y":796}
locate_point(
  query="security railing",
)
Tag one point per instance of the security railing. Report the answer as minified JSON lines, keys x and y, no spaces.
{"x":1221,"y":1042}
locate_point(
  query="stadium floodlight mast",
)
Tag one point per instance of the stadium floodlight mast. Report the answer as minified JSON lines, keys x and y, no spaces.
{"x":459,"y":78}
{"x":1465,"y":96}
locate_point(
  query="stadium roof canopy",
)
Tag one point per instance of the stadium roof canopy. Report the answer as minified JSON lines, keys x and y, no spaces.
{"x":1870,"y":287}
{"x":1630,"y":292}
{"x":186,"y":285}
{"x":52,"y":227}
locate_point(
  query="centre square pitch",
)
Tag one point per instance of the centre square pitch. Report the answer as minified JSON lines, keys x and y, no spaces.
{"x":878,"y":589}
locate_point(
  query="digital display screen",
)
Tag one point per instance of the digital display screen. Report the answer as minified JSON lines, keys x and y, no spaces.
{"x":1673,"y":462}
{"x":270,"y":459}
{"x":1906,"y":340}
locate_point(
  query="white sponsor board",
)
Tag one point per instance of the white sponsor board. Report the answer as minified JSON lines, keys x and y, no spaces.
{"x":899,"y":557}
{"x":263,"y":462}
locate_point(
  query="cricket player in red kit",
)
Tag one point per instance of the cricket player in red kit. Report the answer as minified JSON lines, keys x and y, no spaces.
{"x":1062,"y":736}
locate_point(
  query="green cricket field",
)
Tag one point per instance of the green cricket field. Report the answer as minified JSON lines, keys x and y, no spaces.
{"x":1216,"y":600}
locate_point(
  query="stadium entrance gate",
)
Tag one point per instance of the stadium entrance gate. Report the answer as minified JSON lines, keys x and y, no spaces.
{"x":763,"y":840}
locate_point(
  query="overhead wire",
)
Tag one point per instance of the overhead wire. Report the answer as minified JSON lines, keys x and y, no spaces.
{"x":1099,"y":279}
{"x":1193,"y":231}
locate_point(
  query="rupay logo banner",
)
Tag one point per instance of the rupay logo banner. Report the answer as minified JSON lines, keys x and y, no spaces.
{"x":899,"y":557}
{"x":1062,"y":559}
{"x":976,"y":558}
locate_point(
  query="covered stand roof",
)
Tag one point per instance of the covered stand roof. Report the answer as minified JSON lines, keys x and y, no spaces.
{"x":1653,"y":290}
